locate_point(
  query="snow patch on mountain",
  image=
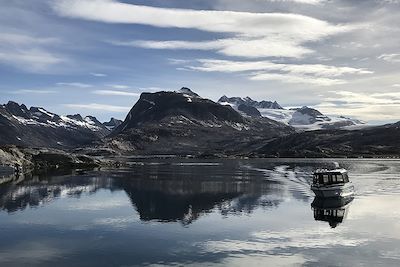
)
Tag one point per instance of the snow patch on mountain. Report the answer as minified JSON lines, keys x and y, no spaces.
{"x":41,"y":117}
{"x":187,"y":92}
{"x":304,"y":118}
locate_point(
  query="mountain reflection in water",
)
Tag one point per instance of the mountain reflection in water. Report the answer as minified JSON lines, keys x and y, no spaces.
{"x":166,"y":198}
{"x":191,"y":212}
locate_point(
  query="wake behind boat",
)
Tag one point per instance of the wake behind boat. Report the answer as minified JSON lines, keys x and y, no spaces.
{"x":332,"y":183}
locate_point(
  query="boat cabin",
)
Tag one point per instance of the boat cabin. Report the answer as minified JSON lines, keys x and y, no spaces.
{"x":328,"y":177}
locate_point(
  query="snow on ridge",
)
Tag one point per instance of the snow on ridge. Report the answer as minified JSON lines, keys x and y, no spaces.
{"x":46,"y":112}
{"x":65,"y":122}
{"x":80,"y":123}
{"x":304,"y":118}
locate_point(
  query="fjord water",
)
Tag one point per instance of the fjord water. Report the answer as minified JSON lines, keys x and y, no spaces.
{"x":200,"y":212}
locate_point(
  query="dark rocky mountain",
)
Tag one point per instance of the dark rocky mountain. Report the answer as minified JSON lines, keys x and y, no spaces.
{"x":187,"y":91}
{"x":249,"y":110}
{"x":249,"y":102}
{"x":378,"y":141}
{"x":306,"y":116}
{"x":309,"y":111}
{"x":184,"y":123}
{"x":112,"y":124}
{"x":39,"y":127}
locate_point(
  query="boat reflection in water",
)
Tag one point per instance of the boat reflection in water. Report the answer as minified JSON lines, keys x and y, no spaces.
{"x":332,"y":210}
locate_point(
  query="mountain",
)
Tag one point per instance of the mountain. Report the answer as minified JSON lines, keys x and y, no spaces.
{"x":112,"y":124}
{"x":236,"y":101}
{"x":182,"y":122}
{"x":38,"y":127}
{"x":304,"y":118}
{"x":249,"y":110}
{"x":186,"y":91}
{"x":378,"y":141}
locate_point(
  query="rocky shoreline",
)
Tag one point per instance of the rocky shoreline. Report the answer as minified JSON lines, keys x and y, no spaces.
{"x":43,"y":159}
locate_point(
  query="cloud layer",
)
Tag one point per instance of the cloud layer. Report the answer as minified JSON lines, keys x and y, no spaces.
{"x":317,"y":74}
{"x":249,"y":34}
{"x":96,"y":106}
{"x":26,"y":52}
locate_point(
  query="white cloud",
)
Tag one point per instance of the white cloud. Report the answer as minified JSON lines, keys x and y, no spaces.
{"x":176,"y":61}
{"x":394,"y":58}
{"x":317,"y":74}
{"x":32,"y":91}
{"x":27,"y":52}
{"x":119,"y":86}
{"x":96,"y":106}
{"x":310,"y":2}
{"x":368,"y":106}
{"x":243,"y":47}
{"x":75,"y":84}
{"x":32,"y":60}
{"x":207,"y":20}
{"x":115,"y":93}
{"x":290,"y":78}
{"x":367,"y":98}
{"x":98,"y":74}
{"x":254,"y":34}
{"x":308,"y":69}
{"x":13,"y":38}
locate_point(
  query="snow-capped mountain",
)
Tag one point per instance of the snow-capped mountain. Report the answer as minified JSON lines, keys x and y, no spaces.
{"x":304,"y":118}
{"x":38,"y":127}
{"x":237,"y":101}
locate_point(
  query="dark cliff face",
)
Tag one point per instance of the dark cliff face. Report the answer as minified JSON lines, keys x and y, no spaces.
{"x":182,"y":123}
{"x":369,"y":142}
{"x":154,"y":107}
{"x":39,"y":127}
{"x":249,"y":110}
{"x":112,"y":124}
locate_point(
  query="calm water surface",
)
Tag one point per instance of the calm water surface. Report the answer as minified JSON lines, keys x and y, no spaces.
{"x":188,"y":212}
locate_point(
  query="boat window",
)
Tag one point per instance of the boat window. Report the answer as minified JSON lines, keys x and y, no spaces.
{"x":345,"y":178}
{"x":339,"y":178}
{"x":326,"y":178}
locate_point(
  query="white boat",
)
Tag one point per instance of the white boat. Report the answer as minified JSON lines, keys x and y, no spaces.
{"x":332,"y":183}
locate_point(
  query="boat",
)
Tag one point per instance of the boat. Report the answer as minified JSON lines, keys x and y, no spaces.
{"x":332,"y":183}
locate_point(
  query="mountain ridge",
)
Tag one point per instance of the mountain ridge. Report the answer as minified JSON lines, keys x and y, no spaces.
{"x":302,"y":118}
{"x":38,"y":127}
{"x":183,"y":123}
{"x":187,"y":123}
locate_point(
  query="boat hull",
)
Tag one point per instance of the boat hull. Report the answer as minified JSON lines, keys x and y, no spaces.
{"x":346,"y":190}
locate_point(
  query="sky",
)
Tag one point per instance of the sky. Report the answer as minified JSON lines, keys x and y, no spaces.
{"x":95,"y":57}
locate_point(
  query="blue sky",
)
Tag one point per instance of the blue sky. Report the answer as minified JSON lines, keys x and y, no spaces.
{"x":97,"y":56}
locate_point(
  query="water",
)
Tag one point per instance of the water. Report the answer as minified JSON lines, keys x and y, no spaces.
{"x":190,"y":213}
